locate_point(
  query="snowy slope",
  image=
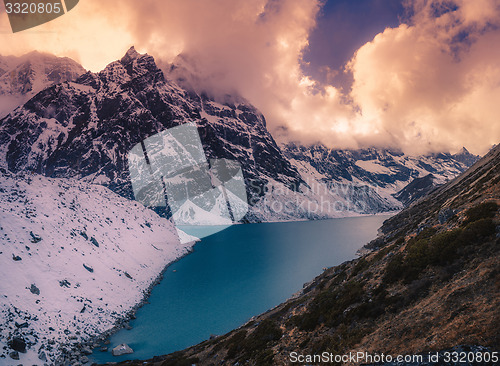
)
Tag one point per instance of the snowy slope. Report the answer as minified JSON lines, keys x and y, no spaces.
{"x":370,"y":179}
{"x":7,"y":63}
{"x":23,"y":77}
{"x":74,"y":258}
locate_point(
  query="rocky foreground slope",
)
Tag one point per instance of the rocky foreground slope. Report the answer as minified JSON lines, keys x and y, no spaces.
{"x":430,"y":282}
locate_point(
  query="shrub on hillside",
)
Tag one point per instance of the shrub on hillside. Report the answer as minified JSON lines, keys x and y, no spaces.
{"x":484,"y":210}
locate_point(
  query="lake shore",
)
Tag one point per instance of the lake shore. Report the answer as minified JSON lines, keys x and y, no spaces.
{"x":245,"y":264}
{"x":77,"y":352}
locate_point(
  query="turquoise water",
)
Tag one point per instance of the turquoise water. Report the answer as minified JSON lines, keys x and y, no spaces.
{"x":235,"y":274}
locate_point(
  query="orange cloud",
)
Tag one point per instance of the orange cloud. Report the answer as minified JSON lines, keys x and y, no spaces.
{"x":428,"y":85}
{"x":432,"y":85}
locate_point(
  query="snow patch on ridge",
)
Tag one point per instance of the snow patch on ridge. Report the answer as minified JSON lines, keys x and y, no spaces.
{"x":372,"y":166}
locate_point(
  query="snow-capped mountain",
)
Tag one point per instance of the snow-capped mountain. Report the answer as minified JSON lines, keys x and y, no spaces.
{"x":7,"y":63}
{"x":78,"y":258}
{"x":85,"y":129}
{"x":381,"y":172}
{"x":23,"y":77}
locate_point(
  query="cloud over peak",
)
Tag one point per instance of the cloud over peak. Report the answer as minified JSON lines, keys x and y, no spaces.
{"x":429,"y":84}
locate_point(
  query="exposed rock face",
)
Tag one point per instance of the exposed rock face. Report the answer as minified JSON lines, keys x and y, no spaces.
{"x":85,"y":129}
{"x":395,"y":179}
{"x":418,"y":188}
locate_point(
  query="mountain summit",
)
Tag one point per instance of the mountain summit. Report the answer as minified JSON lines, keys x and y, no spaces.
{"x":85,"y":128}
{"x":130,"y":56}
{"x":23,"y":77}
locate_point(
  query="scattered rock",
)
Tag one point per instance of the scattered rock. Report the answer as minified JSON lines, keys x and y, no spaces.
{"x":103,"y":349}
{"x":86,"y":351}
{"x":34,"y":290}
{"x":127,"y":326}
{"x":84,"y":359}
{"x":18,"y":344}
{"x":42,"y":356}
{"x":421,"y":228}
{"x":122,"y":349}
{"x":445,"y":214}
{"x":22,"y":325}
{"x":16,"y":258}
{"x":88,"y":268}
{"x":14,"y":355}
{"x":94,"y":241}
{"x":35,"y":238}
{"x":64,"y":283}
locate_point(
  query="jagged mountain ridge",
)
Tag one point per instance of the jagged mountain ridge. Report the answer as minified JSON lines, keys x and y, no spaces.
{"x":23,"y":77}
{"x":386,"y":171}
{"x":85,"y":129}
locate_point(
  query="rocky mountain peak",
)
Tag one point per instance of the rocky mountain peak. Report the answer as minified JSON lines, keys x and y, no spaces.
{"x":23,"y":77}
{"x":132,"y":65}
{"x":101,"y":116}
{"x":130,"y":56}
{"x":464,"y":156}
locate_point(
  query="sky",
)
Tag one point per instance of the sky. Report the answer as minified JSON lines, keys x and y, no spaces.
{"x":418,"y":75}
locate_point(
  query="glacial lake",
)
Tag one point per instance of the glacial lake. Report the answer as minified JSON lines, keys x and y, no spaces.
{"x":235,"y":274}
